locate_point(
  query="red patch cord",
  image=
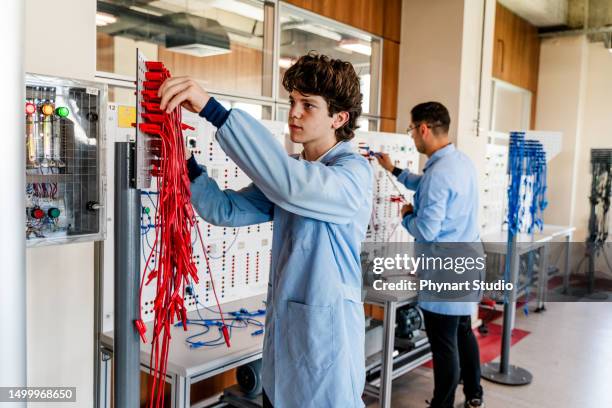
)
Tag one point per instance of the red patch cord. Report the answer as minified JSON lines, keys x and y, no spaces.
{"x":175,"y":220}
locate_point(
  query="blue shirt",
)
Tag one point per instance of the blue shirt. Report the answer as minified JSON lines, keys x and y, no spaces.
{"x":445,"y":209}
{"x":313,"y":354}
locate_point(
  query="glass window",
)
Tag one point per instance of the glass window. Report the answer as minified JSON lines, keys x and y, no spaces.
{"x":282,"y":113}
{"x":224,"y":43}
{"x":301,"y":32}
{"x":253,"y":108}
{"x":369,"y":124}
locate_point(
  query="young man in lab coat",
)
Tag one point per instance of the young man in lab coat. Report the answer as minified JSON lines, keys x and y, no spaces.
{"x":445,"y":209}
{"x":320,"y":202}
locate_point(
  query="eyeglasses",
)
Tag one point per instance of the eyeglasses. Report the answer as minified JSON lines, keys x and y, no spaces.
{"x":411,"y":128}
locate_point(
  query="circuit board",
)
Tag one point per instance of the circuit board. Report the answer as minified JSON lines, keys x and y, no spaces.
{"x":239,"y":257}
{"x":389,"y":194}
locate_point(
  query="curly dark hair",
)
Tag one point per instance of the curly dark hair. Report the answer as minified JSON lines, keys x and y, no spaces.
{"x":334,"y":80}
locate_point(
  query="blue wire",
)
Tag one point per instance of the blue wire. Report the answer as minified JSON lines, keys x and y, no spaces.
{"x":240,"y":319}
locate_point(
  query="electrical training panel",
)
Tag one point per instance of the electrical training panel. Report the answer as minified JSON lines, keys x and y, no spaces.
{"x":239,"y":257}
{"x":65,"y":172}
{"x":389,"y":194}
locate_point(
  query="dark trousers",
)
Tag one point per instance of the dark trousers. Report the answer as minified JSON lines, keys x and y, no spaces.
{"x":455,"y":356}
{"x":266,"y":401}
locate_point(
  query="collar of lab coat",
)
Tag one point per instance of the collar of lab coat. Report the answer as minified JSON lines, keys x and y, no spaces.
{"x":324,"y":155}
{"x":440,"y":153}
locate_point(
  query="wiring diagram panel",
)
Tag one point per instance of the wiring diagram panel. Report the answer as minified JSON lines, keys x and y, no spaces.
{"x":239,"y":257}
{"x":389,"y":194}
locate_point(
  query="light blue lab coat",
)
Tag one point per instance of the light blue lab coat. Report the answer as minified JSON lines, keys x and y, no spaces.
{"x":313,"y":353}
{"x":445,"y":209}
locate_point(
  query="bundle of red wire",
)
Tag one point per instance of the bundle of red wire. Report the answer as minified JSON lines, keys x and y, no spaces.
{"x":174,"y":222}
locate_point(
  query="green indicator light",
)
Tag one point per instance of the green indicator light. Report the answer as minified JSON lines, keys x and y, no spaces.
{"x":147,"y":210}
{"x":53,"y":212}
{"x":62,"y":111}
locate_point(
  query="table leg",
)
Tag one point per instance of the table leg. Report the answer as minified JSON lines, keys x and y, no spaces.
{"x":388,"y":347}
{"x":543,"y":278}
{"x":105,"y":381}
{"x":566,"y":272}
{"x":180,"y":392}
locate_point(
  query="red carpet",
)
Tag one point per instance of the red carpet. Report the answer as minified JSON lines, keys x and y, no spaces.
{"x":490,"y":344}
{"x":487,"y":315}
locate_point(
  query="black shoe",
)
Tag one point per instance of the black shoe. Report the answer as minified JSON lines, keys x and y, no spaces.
{"x":474,"y":403}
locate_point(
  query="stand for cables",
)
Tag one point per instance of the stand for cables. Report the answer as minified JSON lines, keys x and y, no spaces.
{"x":503,"y":372}
{"x":526,"y":190}
{"x":601,"y":185}
{"x":127,"y":279}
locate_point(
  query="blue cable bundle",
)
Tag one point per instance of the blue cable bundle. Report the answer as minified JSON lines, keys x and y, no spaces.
{"x":527,"y":184}
{"x":526,"y":189}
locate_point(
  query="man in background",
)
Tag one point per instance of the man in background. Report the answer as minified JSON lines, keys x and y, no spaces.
{"x":445,"y":209}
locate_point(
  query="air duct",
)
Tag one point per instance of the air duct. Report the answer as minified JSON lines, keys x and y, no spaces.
{"x":178,"y":32}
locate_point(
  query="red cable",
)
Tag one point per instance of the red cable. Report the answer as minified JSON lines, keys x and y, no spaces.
{"x":174,"y":222}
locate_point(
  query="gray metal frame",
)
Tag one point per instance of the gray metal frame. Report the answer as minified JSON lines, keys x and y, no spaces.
{"x":382,"y":387}
{"x":127,"y":279}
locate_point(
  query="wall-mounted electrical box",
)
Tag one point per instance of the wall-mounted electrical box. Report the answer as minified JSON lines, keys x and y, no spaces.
{"x":65,"y":172}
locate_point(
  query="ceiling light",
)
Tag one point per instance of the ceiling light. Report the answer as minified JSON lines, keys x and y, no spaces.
{"x":103,"y":19}
{"x":315,"y":29}
{"x":240,"y":8}
{"x":146,"y":11}
{"x":357,"y":46}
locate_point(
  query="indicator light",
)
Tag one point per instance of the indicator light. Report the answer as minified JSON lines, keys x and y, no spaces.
{"x":62,"y":111}
{"x":37,"y":213}
{"x":30,"y":108}
{"x":47,"y":109}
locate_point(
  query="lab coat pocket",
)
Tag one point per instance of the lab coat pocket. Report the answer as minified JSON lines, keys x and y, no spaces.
{"x":311,"y":337}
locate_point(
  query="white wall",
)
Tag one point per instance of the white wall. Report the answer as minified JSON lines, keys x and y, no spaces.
{"x":60,"y":40}
{"x":471,"y":134}
{"x":595,"y":128}
{"x":430,"y":57}
{"x":440,"y":60}
{"x":13,"y":355}
{"x":574,"y":96}
{"x":560,"y":106}
{"x":60,"y":312}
